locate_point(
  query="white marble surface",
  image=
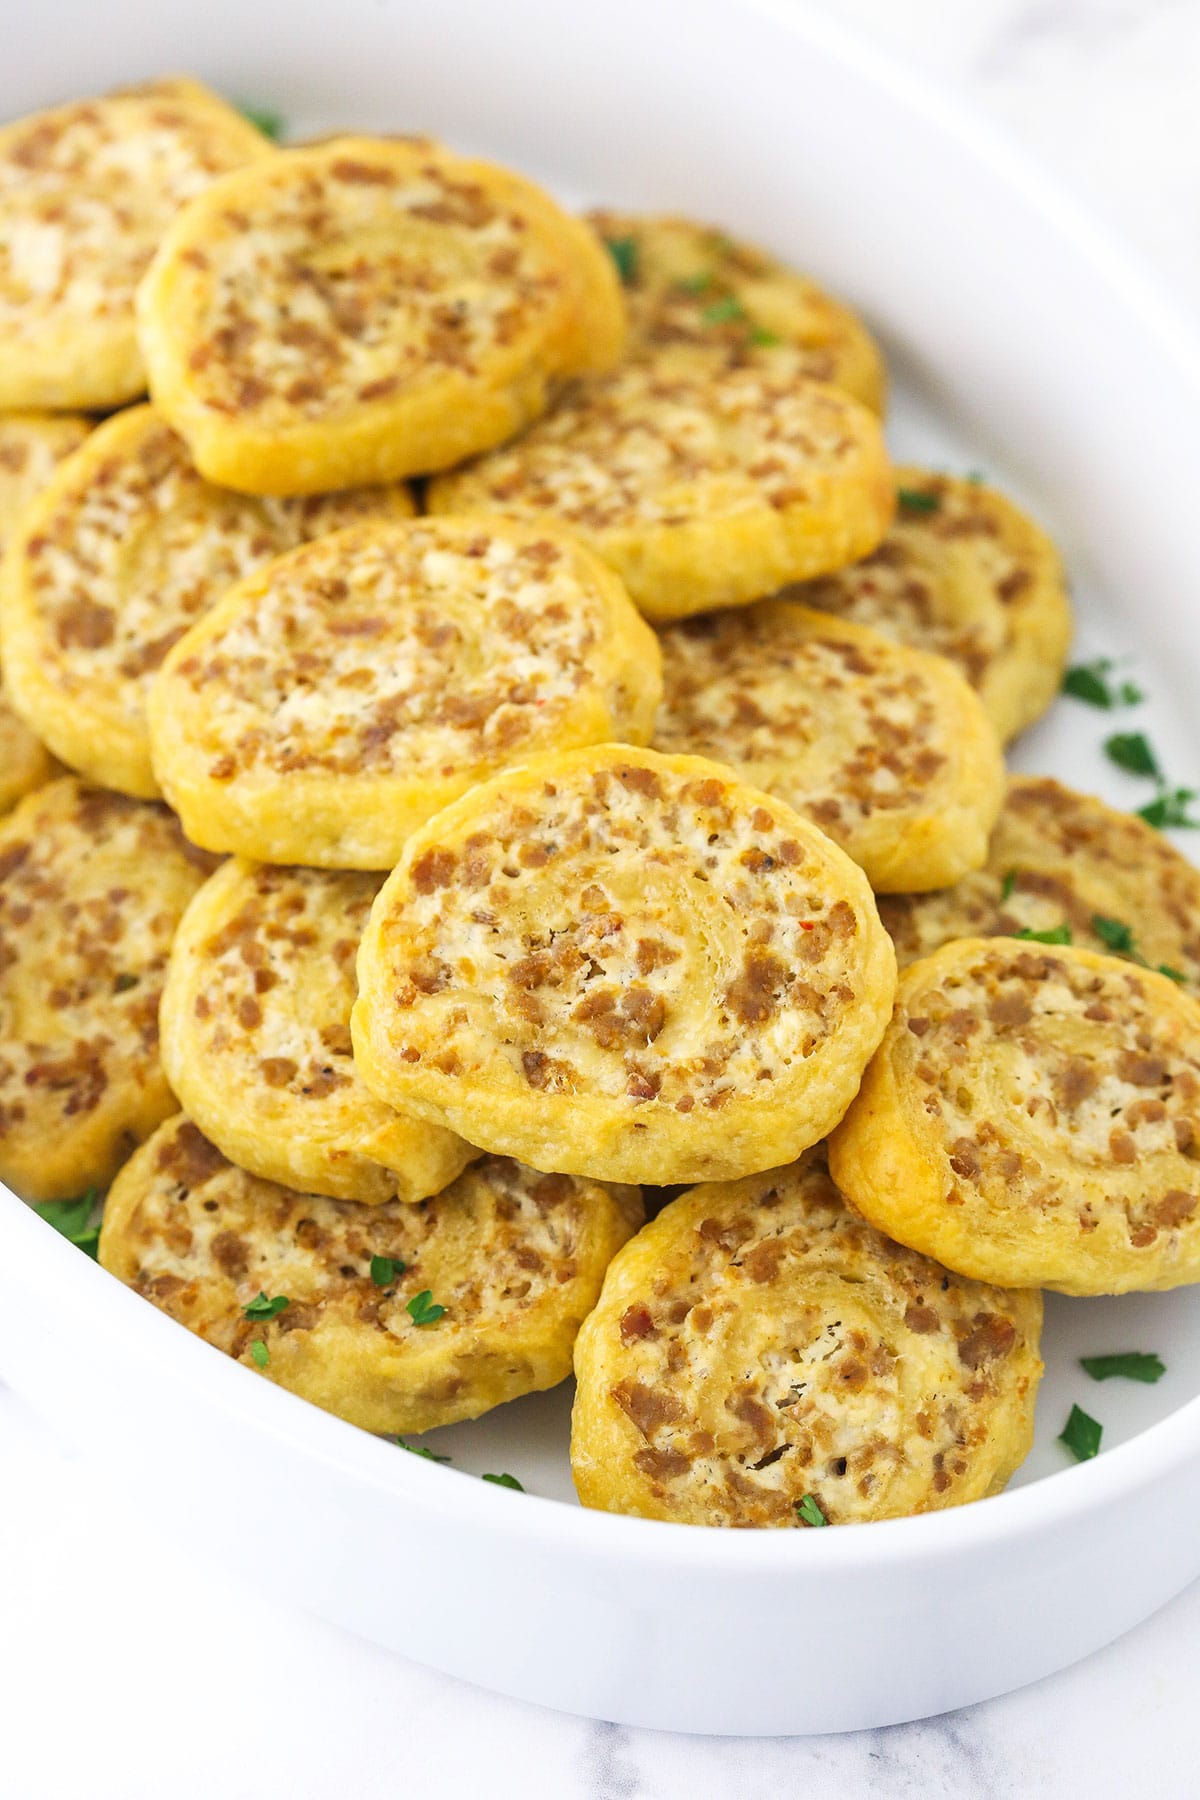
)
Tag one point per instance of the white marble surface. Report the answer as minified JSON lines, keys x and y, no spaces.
{"x":129,"y":1669}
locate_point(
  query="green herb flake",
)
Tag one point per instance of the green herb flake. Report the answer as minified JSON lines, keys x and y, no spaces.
{"x":1170,"y":810}
{"x":762,"y":338}
{"x":723,"y":312}
{"x":420,"y":1450}
{"x":1086,"y":682}
{"x":696,"y":284}
{"x":1113,"y":932}
{"x":1054,"y":934}
{"x":262,"y":1308}
{"x":1090,"y":682}
{"x":1130,"y":750}
{"x":624,"y":252}
{"x":1007,"y":886}
{"x":272,"y":124}
{"x":422,"y":1309}
{"x":508,"y":1481}
{"x":71,"y":1218}
{"x":808,"y":1511}
{"x":260,"y":1356}
{"x":1131,"y":1365}
{"x":1120,"y":940}
{"x":1081,"y":1434}
{"x":917,"y":500}
{"x":384,"y":1270}
{"x":123,"y":983}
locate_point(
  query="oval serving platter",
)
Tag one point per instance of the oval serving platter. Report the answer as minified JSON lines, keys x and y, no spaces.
{"x":1021,"y":342}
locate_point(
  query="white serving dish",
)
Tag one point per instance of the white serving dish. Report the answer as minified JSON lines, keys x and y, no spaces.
{"x":1024,"y":342}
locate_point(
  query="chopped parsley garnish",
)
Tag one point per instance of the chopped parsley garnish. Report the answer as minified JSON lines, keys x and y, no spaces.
{"x":1090,"y":682}
{"x":723,"y":312}
{"x":1120,"y":940}
{"x":262,"y":1308}
{"x":260,"y":1356}
{"x":1081,"y":1434}
{"x":1007,"y":885}
{"x":123,"y":983}
{"x":265,"y":119}
{"x":508,"y":1481}
{"x":1133,"y":1365}
{"x":624,"y":252}
{"x":70,"y":1217}
{"x":422,"y":1309}
{"x":1113,"y":932}
{"x":1171,"y":809}
{"x":808,"y":1511}
{"x":916,"y":500}
{"x":420,"y":1450}
{"x":1131,"y":750}
{"x":1055,"y":934}
{"x":1086,"y":682}
{"x":696,"y":284}
{"x":384,"y":1270}
{"x":760,"y":336}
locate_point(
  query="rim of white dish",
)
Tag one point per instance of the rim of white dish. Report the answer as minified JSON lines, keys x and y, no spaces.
{"x":91,"y":1294}
{"x":1106,"y":1481}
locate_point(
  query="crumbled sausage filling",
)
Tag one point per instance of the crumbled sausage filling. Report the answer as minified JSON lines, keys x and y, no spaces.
{"x":840,"y":729}
{"x":1058,"y":857}
{"x":637,"y":934}
{"x":364,"y":281}
{"x":205,"y":1238}
{"x":86,"y":193}
{"x":92,"y":886}
{"x":142,"y":547}
{"x":698,"y":288}
{"x":923,"y":584}
{"x":785,"y":1348}
{"x":427,"y":651}
{"x":1035,"y":1069}
{"x":644,"y":444}
{"x":31,"y":447}
{"x":278,"y":984}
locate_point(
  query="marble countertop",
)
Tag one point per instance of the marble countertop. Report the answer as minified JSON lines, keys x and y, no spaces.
{"x":130,"y":1670}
